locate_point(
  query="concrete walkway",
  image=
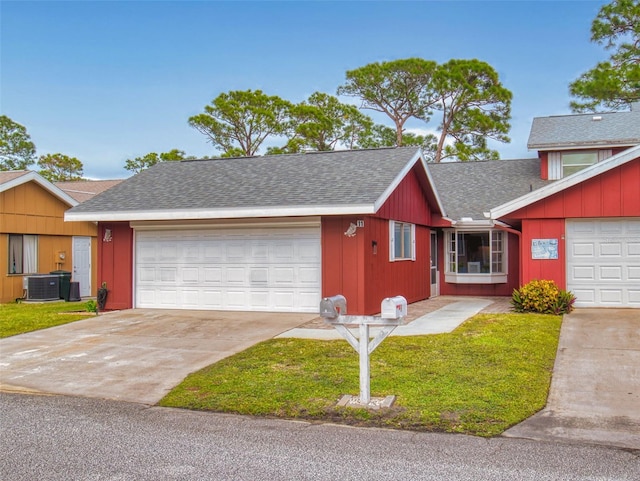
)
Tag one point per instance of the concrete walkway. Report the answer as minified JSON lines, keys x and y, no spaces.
{"x":595,"y":390}
{"x":445,"y":319}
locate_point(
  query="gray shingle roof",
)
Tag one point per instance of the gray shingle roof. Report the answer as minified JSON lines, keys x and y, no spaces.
{"x":576,"y":131}
{"x":468,"y":189}
{"x":310,"y":179}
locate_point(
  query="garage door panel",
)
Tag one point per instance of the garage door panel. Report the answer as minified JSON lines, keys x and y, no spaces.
{"x":272,"y":269}
{"x":190,"y":274}
{"x":212,"y":275}
{"x":583,"y":249}
{"x":584,"y":273}
{"x":610,"y":273}
{"x":602,"y":266}
{"x":611,"y":296}
{"x":611,"y":249}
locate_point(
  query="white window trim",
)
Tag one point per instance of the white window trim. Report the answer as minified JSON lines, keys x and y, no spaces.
{"x":392,"y":242}
{"x":476,"y":278}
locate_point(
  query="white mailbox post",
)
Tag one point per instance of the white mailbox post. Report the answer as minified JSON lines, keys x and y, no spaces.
{"x":393,"y":312}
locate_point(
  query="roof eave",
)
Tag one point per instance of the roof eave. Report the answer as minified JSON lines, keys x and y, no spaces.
{"x":231,"y":213}
{"x":32,"y":176}
{"x":583,"y":145}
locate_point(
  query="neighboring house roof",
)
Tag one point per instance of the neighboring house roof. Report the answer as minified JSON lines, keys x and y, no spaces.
{"x":316,"y":183}
{"x":14,"y":178}
{"x":83,"y":190}
{"x":564,"y":132}
{"x":583,"y":175}
{"x":469,"y":189}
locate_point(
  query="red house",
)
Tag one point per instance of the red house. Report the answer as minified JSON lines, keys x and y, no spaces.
{"x":277,"y":233}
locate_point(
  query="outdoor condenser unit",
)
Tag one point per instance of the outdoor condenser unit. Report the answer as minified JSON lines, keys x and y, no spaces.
{"x":41,"y":287}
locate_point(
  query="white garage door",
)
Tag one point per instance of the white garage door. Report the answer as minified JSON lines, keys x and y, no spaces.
{"x":257,"y":269}
{"x":603,"y":261}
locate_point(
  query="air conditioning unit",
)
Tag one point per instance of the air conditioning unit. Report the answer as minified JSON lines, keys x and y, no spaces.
{"x":41,"y":287}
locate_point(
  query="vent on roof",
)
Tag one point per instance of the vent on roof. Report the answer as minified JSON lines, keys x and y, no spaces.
{"x":596,"y":117}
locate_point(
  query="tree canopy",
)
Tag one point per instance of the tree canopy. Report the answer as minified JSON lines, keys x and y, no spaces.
{"x":473,"y":104}
{"x":399,"y":88}
{"x":238,"y":122}
{"x":59,"y":167}
{"x":322,"y":123}
{"x":615,"y":83}
{"x":475,"y":107}
{"x":152,"y":158}
{"x":17,"y":152}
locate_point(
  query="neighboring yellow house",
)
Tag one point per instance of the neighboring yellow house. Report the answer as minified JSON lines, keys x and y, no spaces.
{"x":35,"y":239}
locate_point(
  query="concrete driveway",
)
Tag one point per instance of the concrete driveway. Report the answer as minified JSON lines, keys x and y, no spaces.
{"x":595,"y":390}
{"x":136,"y":355}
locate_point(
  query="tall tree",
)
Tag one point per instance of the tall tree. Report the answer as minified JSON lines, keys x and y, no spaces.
{"x":383,"y":136}
{"x":238,"y":122}
{"x":60,"y":167}
{"x":475,"y":107}
{"x":401,"y":89}
{"x":17,"y":152}
{"x":152,"y":158}
{"x":322,"y":123}
{"x":615,"y":83}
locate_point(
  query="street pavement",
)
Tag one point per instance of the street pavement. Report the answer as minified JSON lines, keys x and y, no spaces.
{"x":51,"y":438}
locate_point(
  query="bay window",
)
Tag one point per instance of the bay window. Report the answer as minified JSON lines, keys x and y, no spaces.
{"x":477,"y":256}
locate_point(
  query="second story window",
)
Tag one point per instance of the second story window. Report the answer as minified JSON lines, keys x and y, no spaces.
{"x":572,"y":162}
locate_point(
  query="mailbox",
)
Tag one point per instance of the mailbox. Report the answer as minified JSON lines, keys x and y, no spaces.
{"x":332,"y":307}
{"x":393,"y":308}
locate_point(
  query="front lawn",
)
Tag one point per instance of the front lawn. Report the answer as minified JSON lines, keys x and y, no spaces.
{"x":26,"y":317}
{"x":489,"y":374}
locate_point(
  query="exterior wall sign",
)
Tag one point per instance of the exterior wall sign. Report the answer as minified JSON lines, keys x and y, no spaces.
{"x":544,"y":248}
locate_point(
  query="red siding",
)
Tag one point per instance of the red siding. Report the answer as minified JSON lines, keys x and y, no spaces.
{"x":615,"y":193}
{"x":408,"y":202}
{"x":553,"y":269}
{"x":544,"y":165}
{"x":513,"y":270}
{"x":350,"y":267}
{"x":115,"y":264}
{"x":406,"y":278}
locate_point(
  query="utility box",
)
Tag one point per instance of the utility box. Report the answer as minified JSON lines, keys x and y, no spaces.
{"x":332,"y":307}
{"x":393,"y":308}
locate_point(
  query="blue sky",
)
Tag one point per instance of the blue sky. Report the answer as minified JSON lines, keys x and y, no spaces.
{"x":107,"y":81}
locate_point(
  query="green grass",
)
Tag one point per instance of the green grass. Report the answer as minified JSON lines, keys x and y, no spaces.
{"x":27,"y":317}
{"x":489,"y":374}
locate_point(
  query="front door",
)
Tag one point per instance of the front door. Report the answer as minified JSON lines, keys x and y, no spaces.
{"x":82,"y":264}
{"x":433,"y":274}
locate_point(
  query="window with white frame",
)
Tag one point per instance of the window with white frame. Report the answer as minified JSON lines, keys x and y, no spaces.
{"x":572,"y":162}
{"x":476,"y":252}
{"x":402,"y":241}
{"x":23,"y":254}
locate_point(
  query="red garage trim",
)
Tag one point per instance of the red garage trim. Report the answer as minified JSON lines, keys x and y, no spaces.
{"x":115,"y":263}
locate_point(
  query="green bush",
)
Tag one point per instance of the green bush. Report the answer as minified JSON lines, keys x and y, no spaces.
{"x":91,"y":306}
{"x":542,"y":296}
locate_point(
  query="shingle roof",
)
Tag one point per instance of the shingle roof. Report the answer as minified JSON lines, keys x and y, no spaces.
{"x":83,"y":190}
{"x":6,"y":176}
{"x":337,"y":178}
{"x":585,"y":130}
{"x":469,"y":189}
